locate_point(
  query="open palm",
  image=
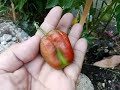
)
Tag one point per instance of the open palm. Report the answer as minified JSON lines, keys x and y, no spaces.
{"x":23,"y":68}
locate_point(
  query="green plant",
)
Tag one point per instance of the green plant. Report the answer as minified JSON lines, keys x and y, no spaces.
{"x":97,"y":18}
{"x":3,"y":8}
{"x":28,"y":11}
{"x":117,"y":14}
{"x":67,"y":5}
{"x":24,"y":12}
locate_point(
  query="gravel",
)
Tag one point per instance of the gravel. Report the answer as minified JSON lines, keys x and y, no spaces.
{"x":10,"y":34}
{"x":14,"y":39}
{"x":6,"y":37}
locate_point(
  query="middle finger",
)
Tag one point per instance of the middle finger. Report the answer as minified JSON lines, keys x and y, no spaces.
{"x":65,"y":22}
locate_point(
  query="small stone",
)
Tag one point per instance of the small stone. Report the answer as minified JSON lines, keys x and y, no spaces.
{"x":110,"y":44}
{"x":24,"y":34}
{"x":3,"y":42}
{"x":103,"y":84}
{"x":110,"y":52}
{"x":2,"y":25}
{"x":14,"y":39}
{"x":19,"y":30}
{"x":106,"y":47}
{"x":1,"y":48}
{"x":6,"y":37}
{"x":29,"y":37}
{"x":6,"y":28}
{"x":115,"y":50}
{"x":84,"y":83}
{"x":11,"y":23}
{"x":9,"y":44}
{"x":13,"y":33}
{"x":25,"y":38}
{"x":106,"y":50}
{"x":109,"y":81}
{"x":1,"y":20}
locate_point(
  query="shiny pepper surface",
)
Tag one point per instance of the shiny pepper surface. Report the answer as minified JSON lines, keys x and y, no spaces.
{"x":56,"y":49}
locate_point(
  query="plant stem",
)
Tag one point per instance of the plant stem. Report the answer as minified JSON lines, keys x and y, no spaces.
{"x":86,"y":11}
{"x":39,"y":29}
{"x":13,"y":11}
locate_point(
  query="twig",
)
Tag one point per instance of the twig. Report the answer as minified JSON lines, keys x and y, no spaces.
{"x":13,"y":11}
{"x":86,"y":11}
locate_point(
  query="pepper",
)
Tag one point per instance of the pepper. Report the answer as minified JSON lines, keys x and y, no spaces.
{"x":56,"y":49}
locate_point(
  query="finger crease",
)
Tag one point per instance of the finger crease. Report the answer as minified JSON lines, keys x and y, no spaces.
{"x":17,"y":57}
{"x":3,"y":71}
{"x":47,"y":25}
{"x":62,"y":26}
{"x":79,"y":51}
{"x":74,"y":36}
{"x":32,"y":77}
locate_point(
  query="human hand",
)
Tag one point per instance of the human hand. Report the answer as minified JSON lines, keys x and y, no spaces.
{"x":23,"y":68}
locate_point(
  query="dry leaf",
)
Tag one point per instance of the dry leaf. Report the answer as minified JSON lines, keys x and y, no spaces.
{"x":109,"y":62}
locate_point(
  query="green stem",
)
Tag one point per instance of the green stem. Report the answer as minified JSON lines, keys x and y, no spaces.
{"x":38,"y":28}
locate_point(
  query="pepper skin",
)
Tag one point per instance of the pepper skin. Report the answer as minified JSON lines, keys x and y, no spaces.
{"x":56,"y":49}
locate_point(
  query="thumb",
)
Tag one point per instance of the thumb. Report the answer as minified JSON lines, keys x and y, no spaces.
{"x":18,"y":54}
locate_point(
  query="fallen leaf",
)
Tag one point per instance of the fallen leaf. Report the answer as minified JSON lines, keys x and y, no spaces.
{"x":109,"y":62}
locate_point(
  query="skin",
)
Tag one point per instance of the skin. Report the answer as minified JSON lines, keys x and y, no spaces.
{"x":23,"y":68}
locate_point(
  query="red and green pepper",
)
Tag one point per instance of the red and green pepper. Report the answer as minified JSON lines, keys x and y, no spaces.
{"x":56,"y":49}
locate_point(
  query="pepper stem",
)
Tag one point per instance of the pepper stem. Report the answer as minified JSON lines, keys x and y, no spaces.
{"x":39,"y":29}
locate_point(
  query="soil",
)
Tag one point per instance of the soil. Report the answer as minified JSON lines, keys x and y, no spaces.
{"x":105,"y":46}
{"x":102,"y":79}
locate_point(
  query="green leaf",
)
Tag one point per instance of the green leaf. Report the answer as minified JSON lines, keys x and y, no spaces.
{"x":65,"y":4}
{"x":51,"y":3}
{"x":3,"y":9}
{"x":20,"y":4}
{"x":77,"y":3}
